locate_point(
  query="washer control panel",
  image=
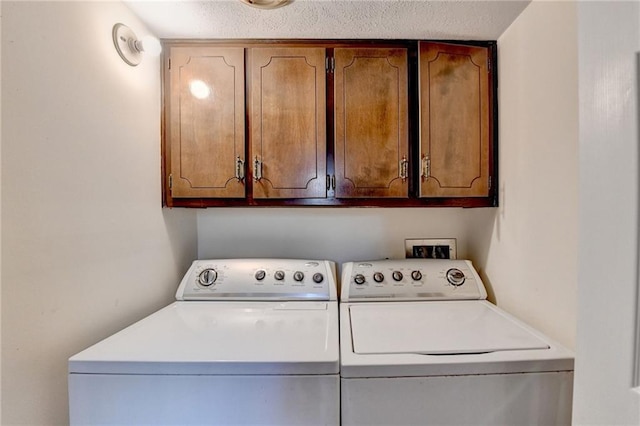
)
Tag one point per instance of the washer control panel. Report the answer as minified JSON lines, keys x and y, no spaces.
{"x":259,"y":279}
{"x":411,"y":279}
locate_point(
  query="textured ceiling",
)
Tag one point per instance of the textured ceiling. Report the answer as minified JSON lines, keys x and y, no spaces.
{"x":414,"y":19}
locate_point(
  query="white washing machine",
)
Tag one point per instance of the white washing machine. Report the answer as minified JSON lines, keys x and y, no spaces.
{"x":248,"y":342}
{"x":420,"y":345}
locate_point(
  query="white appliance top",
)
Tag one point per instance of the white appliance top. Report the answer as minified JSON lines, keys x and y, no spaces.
{"x":231,"y":336}
{"x":433,"y":328}
{"x":259,"y":279}
{"x":410,"y":279}
{"x":433,"y":322}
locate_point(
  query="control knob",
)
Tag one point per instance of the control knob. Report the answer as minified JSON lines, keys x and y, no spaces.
{"x":279,"y":275}
{"x":298,"y":276}
{"x":455,"y":277}
{"x":260,"y":274}
{"x":397,"y":276}
{"x":207,"y":277}
{"x":416,"y":275}
{"x":378,"y":277}
{"x":318,"y":277}
{"x":359,"y":279}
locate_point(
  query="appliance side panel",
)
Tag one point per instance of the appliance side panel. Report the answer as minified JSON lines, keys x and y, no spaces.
{"x":503,"y":399}
{"x":198,"y":399}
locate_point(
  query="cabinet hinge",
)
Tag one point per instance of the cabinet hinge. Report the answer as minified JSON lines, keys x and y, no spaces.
{"x":170,"y":182}
{"x":169,"y":61}
{"x":330,"y":64}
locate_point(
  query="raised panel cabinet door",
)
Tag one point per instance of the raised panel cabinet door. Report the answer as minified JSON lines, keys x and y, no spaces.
{"x":371,"y":122}
{"x":454,"y":120}
{"x":288,"y":122}
{"x":206,"y":122}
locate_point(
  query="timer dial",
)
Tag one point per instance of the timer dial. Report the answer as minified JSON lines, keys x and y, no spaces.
{"x":397,"y":276}
{"x":207,"y":277}
{"x":359,"y":279}
{"x":455,"y":277}
{"x":298,"y":276}
{"x":378,"y":277}
{"x":318,"y":277}
{"x":416,"y":275}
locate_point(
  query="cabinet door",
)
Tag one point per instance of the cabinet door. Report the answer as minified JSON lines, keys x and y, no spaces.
{"x":288,"y":122}
{"x":454,"y":120}
{"x":371,"y":122}
{"x":206,"y":122}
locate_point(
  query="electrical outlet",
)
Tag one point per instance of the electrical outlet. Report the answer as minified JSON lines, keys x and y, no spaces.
{"x":430,"y":248}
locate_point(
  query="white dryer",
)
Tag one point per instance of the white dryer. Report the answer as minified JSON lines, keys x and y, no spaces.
{"x":248,"y":342}
{"x":420,"y":345}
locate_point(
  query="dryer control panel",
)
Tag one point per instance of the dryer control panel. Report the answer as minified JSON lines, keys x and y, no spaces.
{"x":259,"y":279}
{"x":411,"y":279}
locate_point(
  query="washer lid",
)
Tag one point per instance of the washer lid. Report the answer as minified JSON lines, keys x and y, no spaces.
{"x":230,"y":338}
{"x":451,"y":327}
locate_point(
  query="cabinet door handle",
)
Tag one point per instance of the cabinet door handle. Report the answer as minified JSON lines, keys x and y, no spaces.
{"x":404,"y":168}
{"x":239,"y":169}
{"x":426,"y":166}
{"x":257,"y":169}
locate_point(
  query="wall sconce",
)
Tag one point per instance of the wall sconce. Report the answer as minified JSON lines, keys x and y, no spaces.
{"x":265,"y":4}
{"x":130,"y":48}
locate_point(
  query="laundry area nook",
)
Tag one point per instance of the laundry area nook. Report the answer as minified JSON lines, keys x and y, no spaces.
{"x":312,"y":212}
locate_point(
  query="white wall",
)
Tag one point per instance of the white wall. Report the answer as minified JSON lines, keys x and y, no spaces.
{"x":609,"y":47}
{"x":86,"y":247}
{"x":338,"y":234}
{"x":531,"y":253}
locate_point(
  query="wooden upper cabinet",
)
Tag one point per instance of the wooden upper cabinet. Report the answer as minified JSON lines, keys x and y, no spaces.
{"x":288,"y":122}
{"x":329,"y":122}
{"x":455,"y":123}
{"x":371,"y":122}
{"x":205,"y":124}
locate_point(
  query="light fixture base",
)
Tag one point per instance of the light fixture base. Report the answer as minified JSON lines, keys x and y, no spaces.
{"x":124,"y":39}
{"x":265,"y":4}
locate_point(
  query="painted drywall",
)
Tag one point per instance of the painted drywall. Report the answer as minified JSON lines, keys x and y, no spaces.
{"x":609,"y":52}
{"x":338,"y":234}
{"x":531,"y":254}
{"x":86,"y":247}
